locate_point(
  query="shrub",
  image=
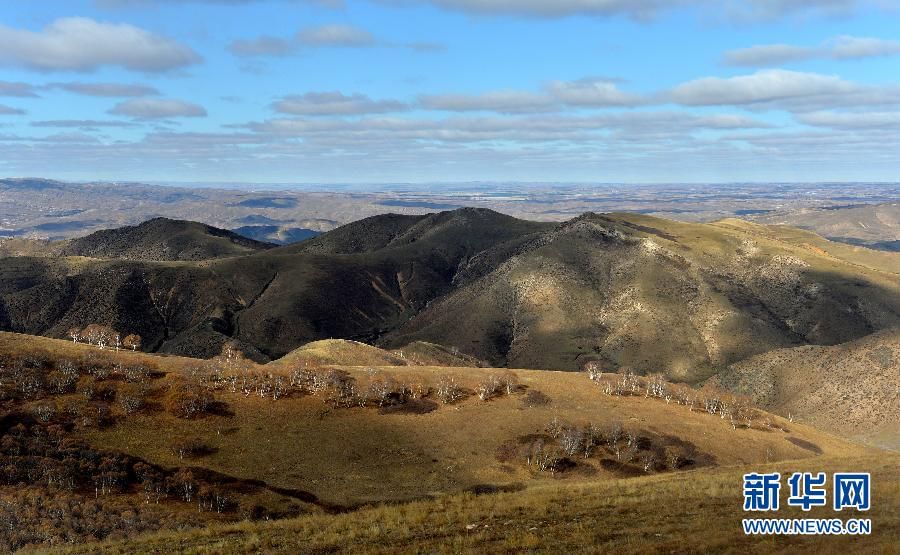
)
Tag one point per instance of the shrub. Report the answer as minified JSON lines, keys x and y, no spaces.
{"x":448,"y":391}
{"x":192,"y":448}
{"x":189,"y":401}
{"x":535,"y":398}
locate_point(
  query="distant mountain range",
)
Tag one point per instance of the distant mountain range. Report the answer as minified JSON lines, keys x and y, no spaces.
{"x":875,"y":226}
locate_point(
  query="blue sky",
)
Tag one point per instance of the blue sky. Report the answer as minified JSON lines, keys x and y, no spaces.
{"x":305,"y":91}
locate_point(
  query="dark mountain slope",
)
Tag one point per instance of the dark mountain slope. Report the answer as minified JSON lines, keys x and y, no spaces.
{"x":655,"y":295}
{"x":624,"y":290}
{"x":362,"y":296}
{"x":163,"y":239}
{"x":465,"y":229}
{"x":363,"y":235}
{"x":272,"y":301}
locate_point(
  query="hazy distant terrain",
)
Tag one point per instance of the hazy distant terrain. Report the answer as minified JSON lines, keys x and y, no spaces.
{"x":40,"y":208}
{"x":876,"y":226}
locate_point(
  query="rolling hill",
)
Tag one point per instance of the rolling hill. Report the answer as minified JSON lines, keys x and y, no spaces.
{"x":876,"y":226}
{"x":415,"y":472}
{"x":849,"y":389}
{"x":621,"y":290}
{"x":162,"y":239}
{"x":656,"y":296}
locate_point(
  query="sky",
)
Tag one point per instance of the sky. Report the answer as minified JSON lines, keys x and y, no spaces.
{"x":418,"y":91}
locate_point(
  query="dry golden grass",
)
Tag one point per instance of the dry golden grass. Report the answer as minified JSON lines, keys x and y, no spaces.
{"x":353,"y":353}
{"x":17,"y":343}
{"x":349,"y":456}
{"x":694,"y":512}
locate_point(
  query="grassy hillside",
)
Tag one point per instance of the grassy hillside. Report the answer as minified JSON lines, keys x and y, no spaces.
{"x":657,"y":296}
{"x":850,"y":389}
{"x":256,"y":442}
{"x":697,"y":512}
{"x":345,"y":454}
{"x":354,"y":353}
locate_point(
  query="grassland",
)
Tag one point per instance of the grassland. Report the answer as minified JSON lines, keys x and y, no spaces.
{"x":350,"y":456}
{"x":693,"y":512}
{"x":426,"y":476}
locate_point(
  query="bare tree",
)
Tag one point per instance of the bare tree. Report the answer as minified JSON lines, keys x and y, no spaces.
{"x":594,"y":371}
{"x":657,"y":387}
{"x":648,"y":461}
{"x":132,"y":341}
{"x":489,"y":388}
{"x":448,"y":391}
{"x":509,"y":382}
{"x":75,"y":334}
{"x":571,"y":440}
{"x":612,"y":436}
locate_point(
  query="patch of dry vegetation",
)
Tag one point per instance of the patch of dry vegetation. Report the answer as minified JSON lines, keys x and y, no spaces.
{"x":696,"y":512}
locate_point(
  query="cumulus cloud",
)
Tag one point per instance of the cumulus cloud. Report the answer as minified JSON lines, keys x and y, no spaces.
{"x":10,"y":111}
{"x":639,"y":9}
{"x":262,"y":46}
{"x":157,"y":108}
{"x":592,"y":92}
{"x":768,"y":55}
{"x":138,"y":3}
{"x":82,"y":44}
{"x":523,"y":129}
{"x":106,"y":89}
{"x":81,"y":123}
{"x":335,"y":103}
{"x":507,"y":102}
{"x":851,"y":120}
{"x":840,"y":48}
{"x":848,"y":48}
{"x":347,"y":36}
{"x":782,"y":89}
{"x":644,"y":10}
{"x":583,"y":93}
{"x":762,"y":10}
{"x":24,"y":90}
{"x":323,"y":36}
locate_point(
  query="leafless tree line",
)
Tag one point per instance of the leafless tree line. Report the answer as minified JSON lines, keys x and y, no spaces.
{"x":734,"y":408}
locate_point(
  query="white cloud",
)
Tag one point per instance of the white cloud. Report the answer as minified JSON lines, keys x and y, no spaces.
{"x":592,"y":92}
{"x":336,"y":35}
{"x":82,"y":44}
{"x":139,"y":3}
{"x":323,"y":36}
{"x":782,"y":89}
{"x":82,"y":123}
{"x":768,"y":55}
{"x":851,"y":120}
{"x":262,"y":46}
{"x":157,"y":108}
{"x":643,"y":10}
{"x":106,"y":89}
{"x":10,"y":111}
{"x":847,"y":47}
{"x":9,"y":88}
{"x":506,"y":102}
{"x":335,"y":103}
{"x":522,"y":129}
{"x":840,"y":48}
